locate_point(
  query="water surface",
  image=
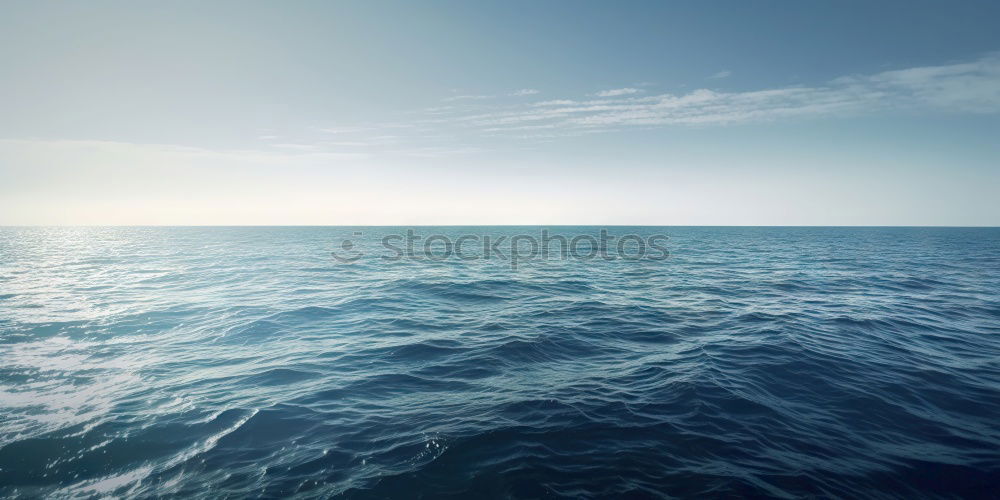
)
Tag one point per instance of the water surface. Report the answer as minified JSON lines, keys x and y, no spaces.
{"x":247,"y":362}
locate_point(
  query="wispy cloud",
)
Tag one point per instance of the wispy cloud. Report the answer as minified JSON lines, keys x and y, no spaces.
{"x":722,"y":74}
{"x":964,"y":87}
{"x":455,"y":128}
{"x":618,"y":92}
{"x":556,"y":102}
{"x":969,"y":87}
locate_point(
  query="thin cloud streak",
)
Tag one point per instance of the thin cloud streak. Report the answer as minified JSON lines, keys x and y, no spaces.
{"x":972,"y":87}
{"x":618,"y":92}
{"x":968,"y":87}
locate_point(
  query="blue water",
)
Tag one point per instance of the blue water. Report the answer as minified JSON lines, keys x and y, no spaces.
{"x":247,"y":362}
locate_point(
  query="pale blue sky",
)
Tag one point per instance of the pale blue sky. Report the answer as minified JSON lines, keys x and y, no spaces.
{"x":763,"y":113}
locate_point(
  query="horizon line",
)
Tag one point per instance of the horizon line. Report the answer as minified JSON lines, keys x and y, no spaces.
{"x":495,"y":225}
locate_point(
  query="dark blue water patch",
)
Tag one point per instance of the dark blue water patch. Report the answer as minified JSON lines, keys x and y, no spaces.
{"x":754,"y":362}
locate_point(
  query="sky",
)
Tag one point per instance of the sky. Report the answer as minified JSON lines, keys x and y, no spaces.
{"x":516,"y":112}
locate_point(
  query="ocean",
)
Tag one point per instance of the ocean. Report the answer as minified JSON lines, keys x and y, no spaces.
{"x":262,"y":362}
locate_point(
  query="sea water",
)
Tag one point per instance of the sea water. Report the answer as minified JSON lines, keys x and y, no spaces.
{"x":316,"y":361}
